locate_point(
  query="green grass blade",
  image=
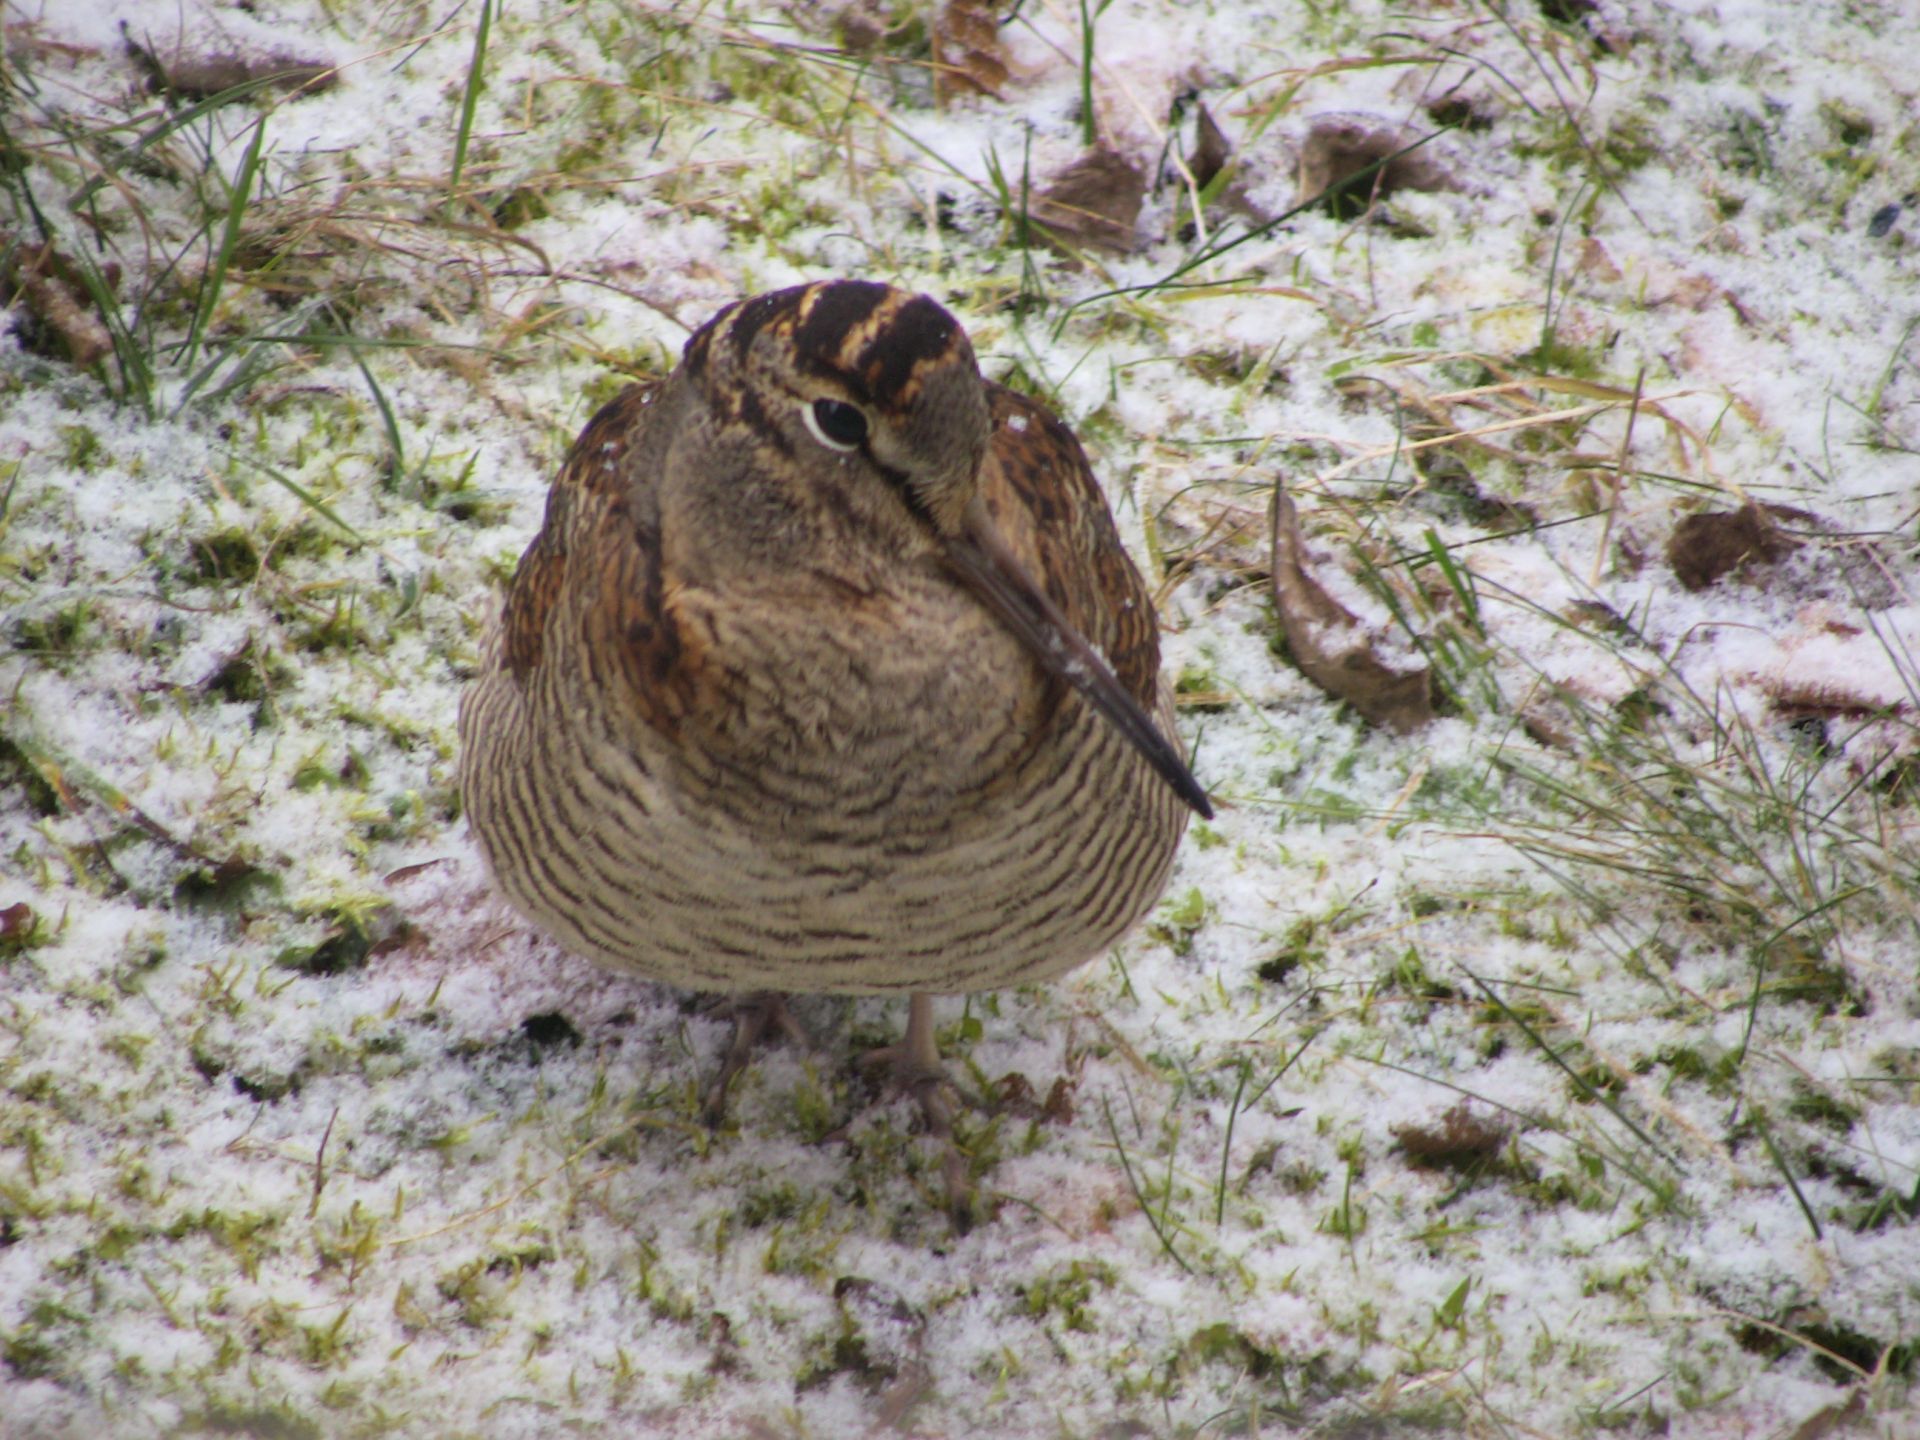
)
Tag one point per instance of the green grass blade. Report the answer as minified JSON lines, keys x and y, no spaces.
{"x":216,"y":278}
{"x":470,"y":98}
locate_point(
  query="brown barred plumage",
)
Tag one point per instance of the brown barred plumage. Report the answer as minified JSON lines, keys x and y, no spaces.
{"x":766,"y":710}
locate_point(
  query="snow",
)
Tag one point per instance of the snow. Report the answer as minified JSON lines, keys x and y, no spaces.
{"x":244,"y":1191}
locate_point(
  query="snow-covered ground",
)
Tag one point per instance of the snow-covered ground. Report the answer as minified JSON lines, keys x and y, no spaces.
{"x":1547,"y":1069}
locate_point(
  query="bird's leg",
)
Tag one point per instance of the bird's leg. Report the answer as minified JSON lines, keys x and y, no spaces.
{"x":919,"y":1071}
{"x":754,"y":1016}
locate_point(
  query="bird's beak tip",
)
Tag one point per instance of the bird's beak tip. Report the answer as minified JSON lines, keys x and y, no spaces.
{"x":997,"y":578}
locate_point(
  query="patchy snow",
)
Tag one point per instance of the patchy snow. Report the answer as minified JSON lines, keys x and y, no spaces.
{"x":302,"y":1132}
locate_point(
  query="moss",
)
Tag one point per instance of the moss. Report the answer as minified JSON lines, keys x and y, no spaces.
{"x":1198,"y":691}
{"x":233,"y":885}
{"x":48,"y":1335}
{"x":226,"y":556}
{"x":1303,"y":944}
{"x":56,"y":634}
{"x":1632,"y":142}
{"x":1178,"y":920}
{"x":1817,"y":1107}
{"x":354,"y":931}
{"x":81,"y":448}
{"x":1065,"y":1294}
{"x":252,"y":675}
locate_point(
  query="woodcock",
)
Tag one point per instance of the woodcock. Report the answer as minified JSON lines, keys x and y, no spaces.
{"x":827,"y":673}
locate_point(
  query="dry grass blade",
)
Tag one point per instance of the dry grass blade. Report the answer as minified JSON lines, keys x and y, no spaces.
{"x":1514,"y":424}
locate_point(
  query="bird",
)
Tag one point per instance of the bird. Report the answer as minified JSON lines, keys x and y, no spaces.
{"x":827,"y":673}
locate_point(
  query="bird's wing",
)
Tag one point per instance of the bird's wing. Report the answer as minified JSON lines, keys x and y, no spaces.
{"x":597,"y":565}
{"x":1043,"y":499}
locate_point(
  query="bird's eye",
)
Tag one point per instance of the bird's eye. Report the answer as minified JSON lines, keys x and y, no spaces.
{"x":836,"y":424}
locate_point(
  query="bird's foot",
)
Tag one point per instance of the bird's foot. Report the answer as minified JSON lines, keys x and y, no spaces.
{"x":754,"y":1016}
{"x":918,"y":1070}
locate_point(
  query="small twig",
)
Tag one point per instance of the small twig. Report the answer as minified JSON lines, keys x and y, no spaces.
{"x":1619,"y":475}
{"x":320,"y":1164}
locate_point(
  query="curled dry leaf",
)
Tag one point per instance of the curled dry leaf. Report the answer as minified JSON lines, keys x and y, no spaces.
{"x":1329,"y":643}
{"x":1703,"y":548}
{"x":49,"y":285}
{"x":968,"y":58}
{"x":1093,"y":204}
{"x":1211,"y":150}
{"x":1339,"y":146}
{"x":1210,"y":155}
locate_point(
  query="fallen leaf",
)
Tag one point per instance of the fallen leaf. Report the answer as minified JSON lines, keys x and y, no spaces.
{"x":16,"y":924}
{"x":1093,"y":203}
{"x":190,"y":76}
{"x":1339,"y":146}
{"x":1329,"y":643}
{"x":1828,"y":664}
{"x":1830,"y":1420}
{"x":861,"y":27}
{"x":49,"y":285}
{"x":968,"y":58}
{"x":1703,"y":548}
{"x":1058,"y":1107}
{"x":1210,"y":148}
{"x":1457,"y":1139}
{"x":1591,"y":258}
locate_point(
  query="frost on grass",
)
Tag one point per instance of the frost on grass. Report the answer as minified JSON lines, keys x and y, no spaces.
{"x":1548,"y":1069}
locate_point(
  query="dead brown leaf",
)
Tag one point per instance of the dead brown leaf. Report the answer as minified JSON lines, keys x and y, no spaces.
{"x":48,"y":282}
{"x":1835,"y":1419}
{"x":16,"y":924}
{"x":1592,"y":258}
{"x":1703,"y":548}
{"x":1459,"y":1138}
{"x":1793,"y":696}
{"x":1339,"y":146}
{"x":189,"y":75}
{"x":968,"y":58}
{"x":1093,"y":203}
{"x":1329,"y":643}
{"x":1211,"y":150}
{"x":1831,"y":665}
{"x":861,"y":27}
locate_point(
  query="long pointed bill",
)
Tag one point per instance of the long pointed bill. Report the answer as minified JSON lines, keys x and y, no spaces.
{"x":982,"y":560}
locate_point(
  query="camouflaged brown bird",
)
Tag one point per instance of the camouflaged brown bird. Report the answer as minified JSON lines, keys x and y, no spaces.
{"x":827,"y":672}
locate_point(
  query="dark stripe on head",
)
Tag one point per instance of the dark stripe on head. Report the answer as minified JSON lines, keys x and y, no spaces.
{"x":762,"y":426}
{"x":762,"y":311}
{"x":920,"y":331}
{"x":837,"y":310}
